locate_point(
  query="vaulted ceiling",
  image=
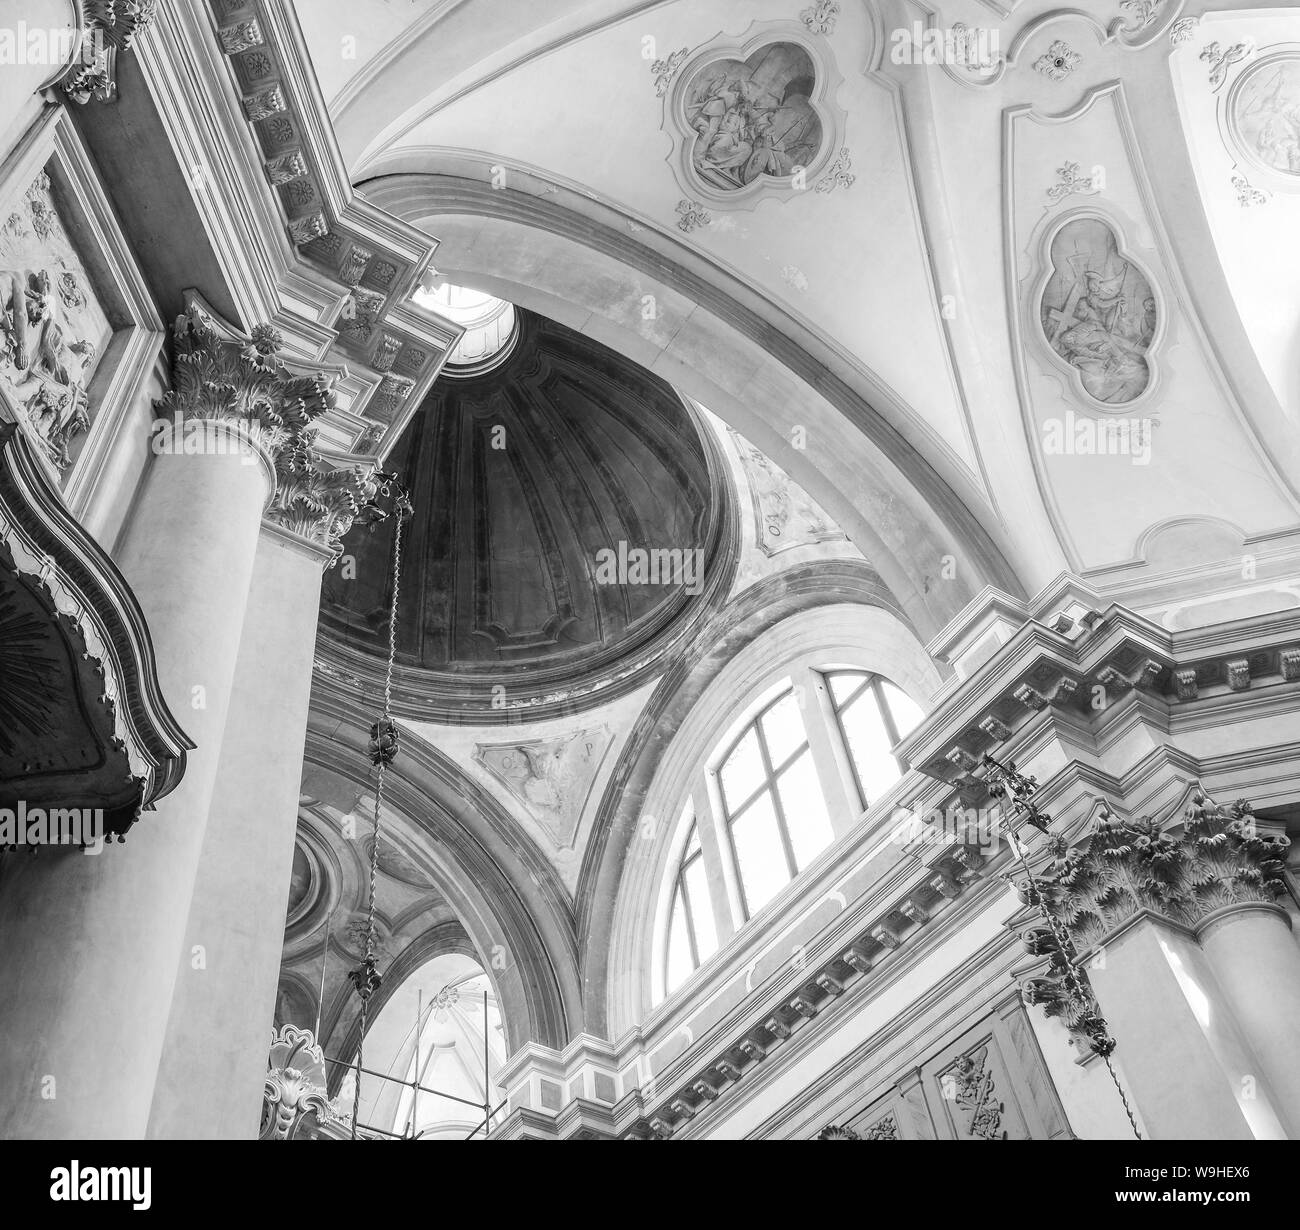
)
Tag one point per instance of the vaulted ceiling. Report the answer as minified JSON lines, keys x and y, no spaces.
{"x":543,"y":491}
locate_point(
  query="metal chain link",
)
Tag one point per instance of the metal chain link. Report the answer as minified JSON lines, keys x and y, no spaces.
{"x":367,"y":981}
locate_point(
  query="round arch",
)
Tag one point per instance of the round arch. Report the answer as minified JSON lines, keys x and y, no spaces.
{"x":616,"y":893}
{"x":513,"y":912}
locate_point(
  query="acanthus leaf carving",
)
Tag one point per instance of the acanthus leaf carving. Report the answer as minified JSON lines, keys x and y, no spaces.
{"x":1219,"y":859}
{"x":111,"y":27}
{"x":224,"y":379}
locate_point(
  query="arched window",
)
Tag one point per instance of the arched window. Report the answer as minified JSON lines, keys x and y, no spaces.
{"x":872,"y":715}
{"x":798,"y":769}
{"x":774,"y":806}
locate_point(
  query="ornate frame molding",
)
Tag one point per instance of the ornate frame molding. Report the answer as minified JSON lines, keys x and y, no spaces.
{"x":1041,"y":276}
{"x":1243,"y":157}
{"x":126,"y":367}
{"x":758,"y":35}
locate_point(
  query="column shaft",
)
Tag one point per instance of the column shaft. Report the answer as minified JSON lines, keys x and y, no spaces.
{"x":1181,"y":1053}
{"x":214,"y":1060}
{"x":1257,"y":964}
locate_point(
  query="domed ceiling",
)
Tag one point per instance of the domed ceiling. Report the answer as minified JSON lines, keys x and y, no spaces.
{"x":572,"y":524}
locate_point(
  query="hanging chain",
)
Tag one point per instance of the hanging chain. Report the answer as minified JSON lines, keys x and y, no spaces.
{"x":382,"y":751}
{"x":1017,"y":789}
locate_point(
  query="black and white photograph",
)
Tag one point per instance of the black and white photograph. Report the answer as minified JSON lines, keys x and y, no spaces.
{"x":658,"y":570}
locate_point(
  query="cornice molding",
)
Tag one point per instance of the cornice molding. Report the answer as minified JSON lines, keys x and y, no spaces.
{"x":236,"y":97}
{"x":1079,"y":668}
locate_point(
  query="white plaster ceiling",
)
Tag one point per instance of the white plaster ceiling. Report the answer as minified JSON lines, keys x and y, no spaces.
{"x":566,"y":90}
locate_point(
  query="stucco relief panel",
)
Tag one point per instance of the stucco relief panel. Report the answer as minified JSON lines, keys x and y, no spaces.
{"x":754,"y":118}
{"x":53,"y":328}
{"x":1099,"y":311}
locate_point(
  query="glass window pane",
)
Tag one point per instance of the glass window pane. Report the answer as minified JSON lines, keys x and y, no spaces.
{"x":680,"y":964}
{"x":759,"y":853}
{"x":742,"y":773}
{"x":907,"y":714}
{"x":868,"y":742}
{"x":697,"y":889}
{"x":844,"y":684}
{"x":783,"y":729}
{"x":693,"y":843}
{"x":805,"y":810}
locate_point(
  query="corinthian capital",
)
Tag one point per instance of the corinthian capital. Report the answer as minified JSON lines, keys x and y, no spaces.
{"x":1218,"y":859}
{"x":316,"y":501}
{"x":111,"y":27}
{"x":220,"y":377}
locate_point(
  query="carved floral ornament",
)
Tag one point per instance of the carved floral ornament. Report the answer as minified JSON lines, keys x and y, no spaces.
{"x":1123,"y":867}
{"x":974,"y":58}
{"x":218,"y":377}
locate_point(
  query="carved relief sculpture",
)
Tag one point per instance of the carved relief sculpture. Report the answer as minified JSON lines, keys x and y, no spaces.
{"x":1264,"y":115}
{"x":754,"y":118}
{"x":1098,"y":311}
{"x":52,"y":327}
{"x":969,"y":1088}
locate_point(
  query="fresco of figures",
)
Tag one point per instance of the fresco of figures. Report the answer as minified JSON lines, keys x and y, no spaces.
{"x":52,"y":327}
{"x":753,"y":117}
{"x":1266,"y":114}
{"x":1098,"y":311}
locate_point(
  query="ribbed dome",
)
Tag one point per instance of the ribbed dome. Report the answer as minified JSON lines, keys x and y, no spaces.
{"x":540,"y":487}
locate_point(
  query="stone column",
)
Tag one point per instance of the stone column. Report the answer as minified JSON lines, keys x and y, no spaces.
{"x":1191,"y":966}
{"x":222,"y":1012}
{"x":1250,"y":949}
{"x":92,"y":944}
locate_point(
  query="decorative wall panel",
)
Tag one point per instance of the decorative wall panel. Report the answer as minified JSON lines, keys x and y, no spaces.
{"x":991,"y":1083}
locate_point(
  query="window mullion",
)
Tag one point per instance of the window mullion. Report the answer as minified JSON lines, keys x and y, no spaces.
{"x":782,"y":825}
{"x":719,"y":861}
{"x":887,"y":717}
{"x":689,"y":914}
{"x":830,"y":754}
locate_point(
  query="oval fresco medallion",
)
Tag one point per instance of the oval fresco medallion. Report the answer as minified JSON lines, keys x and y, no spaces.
{"x":1098,"y":311}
